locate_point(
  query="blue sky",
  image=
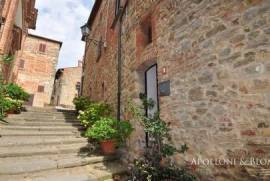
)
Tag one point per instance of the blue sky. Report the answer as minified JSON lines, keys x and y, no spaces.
{"x":61,"y":20}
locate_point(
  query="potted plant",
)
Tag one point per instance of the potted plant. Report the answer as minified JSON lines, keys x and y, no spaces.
{"x":109,"y":132}
{"x":93,"y":113}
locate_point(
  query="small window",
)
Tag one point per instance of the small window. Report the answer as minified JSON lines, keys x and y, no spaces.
{"x":149,"y":35}
{"x":40,"y":88}
{"x":42,"y":47}
{"x":78,"y":86}
{"x":21,"y":64}
{"x":146,"y":31}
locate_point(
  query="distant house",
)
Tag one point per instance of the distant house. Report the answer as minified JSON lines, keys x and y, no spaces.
{"x":16,"y":17}
{"x":35,"y":68}
{"x":66,"y":86}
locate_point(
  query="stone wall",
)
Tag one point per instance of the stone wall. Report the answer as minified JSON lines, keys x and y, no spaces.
{"x":215,"y":55}
{"x":35,"y":69}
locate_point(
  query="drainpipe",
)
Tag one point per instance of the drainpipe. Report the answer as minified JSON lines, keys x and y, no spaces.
{"x":83,"y":69}
{"x":119,"y":66}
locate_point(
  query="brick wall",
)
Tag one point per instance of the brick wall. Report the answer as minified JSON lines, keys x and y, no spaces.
{"x":36,"y":66}
{"x":216,"y":57}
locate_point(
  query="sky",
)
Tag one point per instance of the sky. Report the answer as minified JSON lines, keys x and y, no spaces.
{"x":61,"y":20}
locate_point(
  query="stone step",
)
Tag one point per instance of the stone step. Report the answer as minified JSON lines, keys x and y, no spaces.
{"x":9,"y":119}
{"x":90,"y":172}
{"x":43,"y":123}
{"x":43,"y":128}
{"x":23,"y":116}
{"x":49,"y":113}
{"x":36,"y":141}
{"x":29,"y":150}
{"x":46,"y":109}
{"x":38,"y":133}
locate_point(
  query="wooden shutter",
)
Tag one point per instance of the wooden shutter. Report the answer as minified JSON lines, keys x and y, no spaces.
{"x":40,"y":88}
{"x":42,"y":47}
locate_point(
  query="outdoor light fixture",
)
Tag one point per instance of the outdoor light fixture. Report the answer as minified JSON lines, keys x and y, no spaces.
{"x":85,"y":31}
{"x":85,"y":35}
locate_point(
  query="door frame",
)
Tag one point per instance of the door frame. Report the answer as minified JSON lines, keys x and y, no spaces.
{"x":145,"y":87}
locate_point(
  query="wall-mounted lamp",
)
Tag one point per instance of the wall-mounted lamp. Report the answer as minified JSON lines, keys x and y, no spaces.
{"x":85,"y":36}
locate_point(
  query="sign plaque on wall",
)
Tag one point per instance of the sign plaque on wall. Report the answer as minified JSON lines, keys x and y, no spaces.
{"x":165,"y":88}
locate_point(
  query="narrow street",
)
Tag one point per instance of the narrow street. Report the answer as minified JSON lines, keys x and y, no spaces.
{"x":135,"y":90}
{"x":44,"y":144}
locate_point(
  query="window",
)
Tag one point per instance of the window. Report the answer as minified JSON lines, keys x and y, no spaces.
{"x":117,"y":6}
{"x":42,"y":47}
{"x":145,"y":32}
{"x":40,"y":88}
{"x":78,"y":86}
{"x":148,"y":32}
{"x":21,"y":64}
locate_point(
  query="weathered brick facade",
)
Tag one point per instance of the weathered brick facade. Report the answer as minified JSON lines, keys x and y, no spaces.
{"x":215,"y":55}
{"x":67,"y":86}
{"x":16,"y":17}
{"x":35,"y":68}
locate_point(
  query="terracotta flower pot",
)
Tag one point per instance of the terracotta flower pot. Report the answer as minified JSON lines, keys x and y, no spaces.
{"x":108,"y":147}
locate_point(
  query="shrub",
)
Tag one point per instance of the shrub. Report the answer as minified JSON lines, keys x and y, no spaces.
{"x":102,"y":130}
{"x":152,"y":166}
{"x":7,"y":104}
{"x":93,"y":113}
{"x":108,"y":129}
{"x":124,"y":130}
{"x":16,"y":92}
{"x":81,"y":103}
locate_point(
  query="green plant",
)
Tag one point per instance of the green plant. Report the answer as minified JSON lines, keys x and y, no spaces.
{"x":124,"y":129}
{"x":102,"y":130}
{"x":108,"y":129}
{"x":16,"y":105}
{"x":149,"y":167}
{"x":81,"y":103}
{"x":7,"y":104}
{"x":16,"y":92}
{"x":93,"y":113}
{"x":7,"y":59}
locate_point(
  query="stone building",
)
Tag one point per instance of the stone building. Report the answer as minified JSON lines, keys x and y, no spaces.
{"x":67,"y":86}
{"x":35,"y":68}
{"x":17,"y":16}
{"x":205,"y":63}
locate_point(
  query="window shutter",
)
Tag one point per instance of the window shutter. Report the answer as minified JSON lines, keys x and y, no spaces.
{"x":42,"y":47}
{"x":40,"y":88}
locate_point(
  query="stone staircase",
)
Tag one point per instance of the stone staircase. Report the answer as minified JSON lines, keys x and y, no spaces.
{"x":45,"y":144}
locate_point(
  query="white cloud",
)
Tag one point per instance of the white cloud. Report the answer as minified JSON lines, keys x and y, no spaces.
{"x":61,"y":20}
